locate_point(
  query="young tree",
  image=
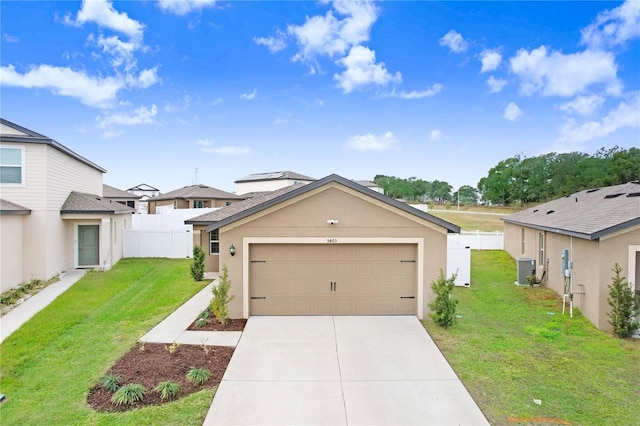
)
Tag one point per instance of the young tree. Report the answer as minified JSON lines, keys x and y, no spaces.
{"x":221,"y":298}
{"x":197,"y":267}
{"x":624,"y":305}
{"x":444,"y":305}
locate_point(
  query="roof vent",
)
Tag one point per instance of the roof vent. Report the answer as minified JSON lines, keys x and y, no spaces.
{"x":536,"y":210}
{"x":551,"y":211}
{"x":633,"y":194}
{"x":613,"y":195}
{"x":592,"y":190}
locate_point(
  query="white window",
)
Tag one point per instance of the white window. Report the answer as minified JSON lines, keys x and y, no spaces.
{"x":541,"y":243}
{"x":12,"y":166}
{"x":522,"y":239}
{"x":228,"y":203}
{"x":214,"y":242}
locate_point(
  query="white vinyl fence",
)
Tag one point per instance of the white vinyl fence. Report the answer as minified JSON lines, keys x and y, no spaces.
{"x":161,"y":235}
{"x":477,"y":240}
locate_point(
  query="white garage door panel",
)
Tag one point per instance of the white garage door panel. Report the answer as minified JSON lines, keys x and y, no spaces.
{"x":287,"y":279}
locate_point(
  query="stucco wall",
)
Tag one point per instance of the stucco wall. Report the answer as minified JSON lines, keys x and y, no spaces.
{"x":307,"y":215}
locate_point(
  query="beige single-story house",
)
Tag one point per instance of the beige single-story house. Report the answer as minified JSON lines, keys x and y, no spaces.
{"x":576,"y":240}
{"x":193,"y":197}
{"x":52,"y":214}
{"x":258,"y":183}
{"x":330,"y":247}
{"x":123,"y":197}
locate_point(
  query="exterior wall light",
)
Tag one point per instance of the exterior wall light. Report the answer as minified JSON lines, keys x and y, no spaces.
{"x":232,"y":250}
{"x":332,"y":222}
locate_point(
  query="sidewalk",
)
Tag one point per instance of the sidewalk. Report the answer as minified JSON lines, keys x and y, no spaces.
{"x":13,"y":320}
{"x":174,"y":327}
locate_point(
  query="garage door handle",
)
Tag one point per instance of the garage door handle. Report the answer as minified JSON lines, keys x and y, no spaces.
{"x":257,"y":297}
{"x":407,"y":261}
{"x":258,"y":261}
{"x":407,"y":297}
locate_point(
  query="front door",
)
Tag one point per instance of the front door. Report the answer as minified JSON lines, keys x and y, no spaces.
{"x":88,"y":245}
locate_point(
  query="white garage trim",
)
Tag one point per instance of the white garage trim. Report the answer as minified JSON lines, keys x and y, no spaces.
{"x":247,"y":241}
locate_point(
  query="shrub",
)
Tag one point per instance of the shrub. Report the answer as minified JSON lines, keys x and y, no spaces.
{"x":624,"y":305}
{"x":444,"y":305}
{"x":197,"y":267}
{"x":198,"y":375}
{"x":221,"y":298}
{"x":111,"y":382}
{"x":167,"y":390}
{"x":128,"y":394}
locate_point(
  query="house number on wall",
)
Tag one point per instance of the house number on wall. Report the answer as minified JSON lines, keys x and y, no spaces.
{"x":332,"y":240}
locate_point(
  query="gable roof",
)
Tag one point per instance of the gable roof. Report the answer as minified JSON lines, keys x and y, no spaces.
{"x":7,"y":207}
{"x":11,"y":132}
{"x":200,"y":192}
{"x":274,"y":176}
{"x":111,"y":192}
{"x":228,"y":211}
{"x":143,"y":187}
{"x":587,"y":214}
{"x":284,"y":194}
{"x":78,"y":202}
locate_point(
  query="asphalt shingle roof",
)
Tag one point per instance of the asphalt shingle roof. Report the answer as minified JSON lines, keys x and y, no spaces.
{"x":274,"y":176}
{"x":78,"y":202}
{"x":111,"y":192}
{"x":7,"y":207}
{"x":586,"y":214}
{"x":228,"y":211}
{"x":200,"y":192}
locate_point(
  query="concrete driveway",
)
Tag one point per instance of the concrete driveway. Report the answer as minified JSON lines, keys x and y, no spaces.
{"x":327,"y":370}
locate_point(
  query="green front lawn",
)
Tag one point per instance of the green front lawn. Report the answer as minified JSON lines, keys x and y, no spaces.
{"x":513,"y":345}
{"x":51,"y":362}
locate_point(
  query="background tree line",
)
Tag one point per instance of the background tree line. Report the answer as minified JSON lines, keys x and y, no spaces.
{"x":521,"y":179}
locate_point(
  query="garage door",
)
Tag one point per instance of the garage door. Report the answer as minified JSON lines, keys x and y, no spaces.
{"x":331,"y":279}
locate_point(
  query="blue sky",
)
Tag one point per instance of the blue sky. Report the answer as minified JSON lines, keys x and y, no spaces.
{"x":153,"y":90}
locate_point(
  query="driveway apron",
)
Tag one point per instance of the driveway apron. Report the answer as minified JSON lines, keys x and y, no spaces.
{"x":343,"y":370}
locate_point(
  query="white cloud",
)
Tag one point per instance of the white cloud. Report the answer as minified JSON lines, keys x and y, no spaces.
{"x":217,"y":101}
{"x":249,"y":96}
{"x":181,"y":105}
{"x":183,"y":7}
{"x":454,"y":41}
{"x":512,"y":112}
{"x":496,"y":84}
{"x":362,"y":70}
{"x":371,"y":142}
{"x":329,"y":35}
{"x":121,"y":52}
{"x":10,"y":39}
{"x":281,"y":120}
{"x":436,"y":135}
{"x":614,"y":27}
{"x":209,"y":147}
{"x":627,"y":114}
{"x":584,"y":105}
{"x":142,"y":115}
{"x":427,"y":93}
{"x":490,"y":60}
{"x":96,"y":92}
{"x":274,"y":44}
{"x":319,"y":102}
{"x":102,"y":13}
{"x":557,"y":74}
{"x":147,"y":78}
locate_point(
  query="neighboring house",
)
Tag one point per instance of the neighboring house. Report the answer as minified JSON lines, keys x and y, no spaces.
{"x":123,"y":197}
{"x":593,"y":230}
{"x":329,"y":247}
{"x":52,"y":213}
{"x":372,"y":186}
{"x":194,"y":197}
{"x":145,"y":192}
{"x":266,"y":182}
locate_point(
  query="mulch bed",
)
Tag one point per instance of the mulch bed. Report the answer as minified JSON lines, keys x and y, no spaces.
{"x":214,"y":325}
{"x":156,"y":364}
